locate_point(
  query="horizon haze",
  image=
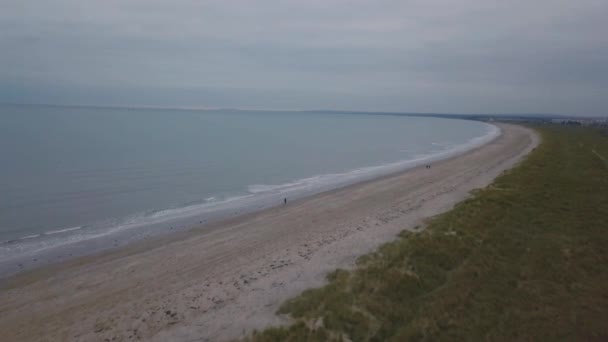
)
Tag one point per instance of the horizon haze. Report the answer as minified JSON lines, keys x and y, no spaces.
{"x":389,"y":56}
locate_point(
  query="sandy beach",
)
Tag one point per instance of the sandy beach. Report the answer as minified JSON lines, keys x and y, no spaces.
{"x":221,"y":281}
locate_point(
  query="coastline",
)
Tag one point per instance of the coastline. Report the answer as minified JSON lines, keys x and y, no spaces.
{"x":231,"y":276}
{"x":64,"y":243}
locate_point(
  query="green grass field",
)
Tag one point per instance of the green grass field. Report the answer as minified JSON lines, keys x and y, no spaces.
{"x":523,"y":259}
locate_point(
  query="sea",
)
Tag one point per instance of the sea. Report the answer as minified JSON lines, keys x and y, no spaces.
{"x":77,"y":180}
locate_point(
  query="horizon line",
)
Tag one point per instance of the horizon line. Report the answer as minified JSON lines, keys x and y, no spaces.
{"x":203,"y":108}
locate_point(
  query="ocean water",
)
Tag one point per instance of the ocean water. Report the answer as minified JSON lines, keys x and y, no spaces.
{"x":70,"y":174}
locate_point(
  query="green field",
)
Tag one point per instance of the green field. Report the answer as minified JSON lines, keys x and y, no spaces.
{"x":523,"y":259}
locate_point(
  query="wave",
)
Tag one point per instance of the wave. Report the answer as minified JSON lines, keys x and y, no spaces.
{"x":190,"y":209}
{"x":63,"y":230}
{"x":264,"y":188}
{"x":28,"y":237}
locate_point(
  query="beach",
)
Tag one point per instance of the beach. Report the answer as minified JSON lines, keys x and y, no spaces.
{"x":223,"y":280}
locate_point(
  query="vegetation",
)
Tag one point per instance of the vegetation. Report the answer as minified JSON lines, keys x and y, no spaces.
{"x":525,"y":258}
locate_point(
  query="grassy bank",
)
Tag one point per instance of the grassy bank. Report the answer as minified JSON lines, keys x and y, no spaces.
{"x":525,"y":258}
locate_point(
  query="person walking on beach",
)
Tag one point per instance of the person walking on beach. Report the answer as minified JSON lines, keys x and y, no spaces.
{"x":285,"y":201}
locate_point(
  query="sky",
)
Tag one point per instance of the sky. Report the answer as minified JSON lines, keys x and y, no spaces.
{"x":441,"y":56}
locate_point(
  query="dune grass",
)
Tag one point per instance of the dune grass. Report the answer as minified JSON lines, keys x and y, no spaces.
{"x":525,"y":258}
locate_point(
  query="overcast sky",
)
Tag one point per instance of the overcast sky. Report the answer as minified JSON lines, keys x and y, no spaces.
{"x":467,"y":56}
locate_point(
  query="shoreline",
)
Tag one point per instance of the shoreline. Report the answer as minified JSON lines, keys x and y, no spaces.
{"x":214,"y":283}
{"x":54,"y":247}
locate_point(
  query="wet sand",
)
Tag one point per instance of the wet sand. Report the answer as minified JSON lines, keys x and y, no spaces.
{"x":220,"y":281}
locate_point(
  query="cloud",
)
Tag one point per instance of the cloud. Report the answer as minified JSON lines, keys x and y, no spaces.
{"x":465,"y":56}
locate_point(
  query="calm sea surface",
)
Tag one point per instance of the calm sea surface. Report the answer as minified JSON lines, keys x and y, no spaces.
{"x":68,"y":172}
